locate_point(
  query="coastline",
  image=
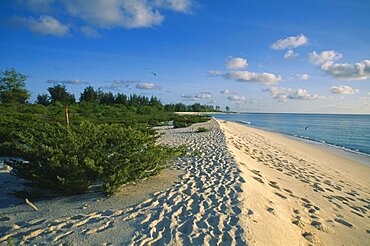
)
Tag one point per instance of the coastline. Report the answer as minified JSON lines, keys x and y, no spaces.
{"x":243,"y":186}
{"x":360,"y":157}
{"x":318,"y":197}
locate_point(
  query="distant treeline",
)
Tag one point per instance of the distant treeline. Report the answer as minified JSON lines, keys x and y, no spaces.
{"x":59,"y":93}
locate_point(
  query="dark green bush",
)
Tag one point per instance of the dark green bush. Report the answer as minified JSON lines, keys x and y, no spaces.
{"x":188,"y":120}
{"x":69,"y":160}
{"x":180,"y":124}
{"x":202,"y":129}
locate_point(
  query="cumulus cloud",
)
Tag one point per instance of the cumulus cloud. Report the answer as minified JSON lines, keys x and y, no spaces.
{"x":245,"y":76}
{"x":284,"y":94}
{"x":214,"y":72}
{"x":147,"y":86}
{"x":197,"y":97}
{"x":113,"y":13}
{"x":67,"y":82}
{"x":90,"y":32}
{"x":357,"y":71}
{"x":236,"y":98}
{"x":290,"y":54}
{"x":328,"y":55}
{"x":290,"y":42}
{"x":303,"y":76}
{"x":343,"y":89}
{"x":236,"y":63}
{"x":45,"y":25}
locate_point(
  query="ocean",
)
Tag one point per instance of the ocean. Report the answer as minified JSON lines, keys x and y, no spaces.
{"x":347,"y":132}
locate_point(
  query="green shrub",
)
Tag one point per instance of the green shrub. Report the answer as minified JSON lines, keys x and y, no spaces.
{"x":180,"y":124}
{"x":69,"y":160}
{"x":202,"y":129}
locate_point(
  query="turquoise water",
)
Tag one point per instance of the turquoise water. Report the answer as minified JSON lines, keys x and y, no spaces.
{"x":349,"y":132}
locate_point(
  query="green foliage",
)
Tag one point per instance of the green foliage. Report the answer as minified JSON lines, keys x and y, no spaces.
{"x":13,"y":87}
{"x":58,"y":93}
{"x":202,"y":129}
{"x":70,"y":159}
{"x":43,"y":99}
{"x":188,"y":120}
{"x":89,"y":95}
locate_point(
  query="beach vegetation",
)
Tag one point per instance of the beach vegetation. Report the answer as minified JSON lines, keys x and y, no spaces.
{"x":70,"y":159}
{"x":109,"y":139}
{"x":202,"y":129}
{"x":13,"y":87}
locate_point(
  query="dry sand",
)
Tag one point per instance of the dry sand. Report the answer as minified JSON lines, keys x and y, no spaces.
{"x":244,"y":185}
{"x":298,"y":193}
{"x":200,"y":209}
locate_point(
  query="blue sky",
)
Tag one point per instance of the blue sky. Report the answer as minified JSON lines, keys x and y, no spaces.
{"x":255,"y":56}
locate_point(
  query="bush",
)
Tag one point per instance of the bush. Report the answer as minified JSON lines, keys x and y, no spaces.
{"x":188,"y":120}
{"x":69,"y":160}
{"x":202,"y":129}
{"x":180,"y":124}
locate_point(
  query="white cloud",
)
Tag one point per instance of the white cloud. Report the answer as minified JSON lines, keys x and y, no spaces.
{"x":236,"y":63}
{"x":245,"y":76}
{"x":357,"y":71}
{"x":197,"y":97}
{"x":204,"y":95}
{"x":226,"y":92}
{"x":112,"y":13}
{"x":328,"y":55}
{"x":293,"y":94}
{"x":176,"y":5}
{"x":45,"y":25}
{"x":290,"y":54}
{"x":147,"y":86}
{"x":90,"y":32}
{"x":343,"y":89}
{"x":214,"y":72}
{"x":235,"y":98}
{"x":115,"y":13}
{"x":67,"y":82}
{"x":303,"y":76}
{"x":118,"y":84}
{"x":290,"y":42}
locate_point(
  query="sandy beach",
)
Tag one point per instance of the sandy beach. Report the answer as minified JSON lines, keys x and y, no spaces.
{"x":240,"y":186}
{"x":298,"y":193}
{"x":201,"y":207}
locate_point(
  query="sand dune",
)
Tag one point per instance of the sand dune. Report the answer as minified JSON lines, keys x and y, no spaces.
{"x":296,"y":193}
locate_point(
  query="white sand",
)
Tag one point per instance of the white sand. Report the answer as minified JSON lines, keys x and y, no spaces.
{"x":201,"y":208}
{"x":283,"y":192}
{"x":297,"y":193}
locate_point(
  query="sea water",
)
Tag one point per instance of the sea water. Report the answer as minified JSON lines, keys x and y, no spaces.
{"x":348,"y":132}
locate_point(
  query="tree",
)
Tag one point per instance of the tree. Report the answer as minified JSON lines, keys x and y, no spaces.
{"x":13,"y":87}
{"x":43,"y":99}
{"x":227,"y":109}
{"x":58,"y":93}
{"x":89,"y":95}
{"x":120,"y":99}
{"x":107,"y":98}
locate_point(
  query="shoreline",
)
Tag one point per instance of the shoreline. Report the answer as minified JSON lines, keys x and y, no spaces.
{"x":361,"y":157}
{"x":318,"y":197}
